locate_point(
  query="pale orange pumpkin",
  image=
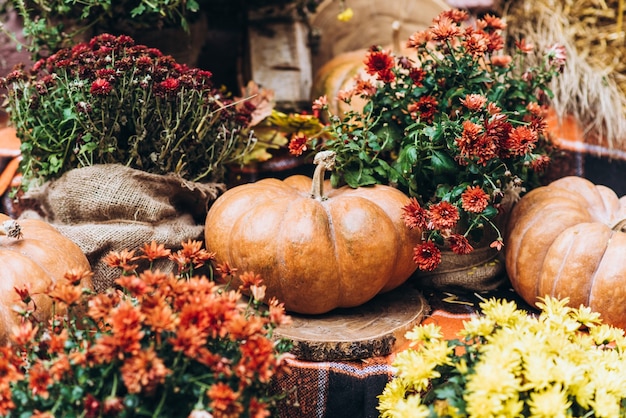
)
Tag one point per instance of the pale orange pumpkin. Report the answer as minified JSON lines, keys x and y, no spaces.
{"x":568,"y":239}
{"x":315,"y":252}
{"x":36,"y":259}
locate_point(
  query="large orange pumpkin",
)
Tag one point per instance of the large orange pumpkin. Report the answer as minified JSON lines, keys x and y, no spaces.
{"x":568,"y":239}
{"x":40,"y":257}
{"x":315,"y":252}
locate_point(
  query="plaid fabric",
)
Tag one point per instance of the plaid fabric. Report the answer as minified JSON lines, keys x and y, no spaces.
{"x":334,"y":389}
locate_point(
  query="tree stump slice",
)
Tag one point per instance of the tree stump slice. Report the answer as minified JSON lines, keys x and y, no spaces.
{"x":374,"y":329}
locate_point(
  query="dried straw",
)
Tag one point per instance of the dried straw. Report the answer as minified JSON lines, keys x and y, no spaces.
{"x":593,"y":84}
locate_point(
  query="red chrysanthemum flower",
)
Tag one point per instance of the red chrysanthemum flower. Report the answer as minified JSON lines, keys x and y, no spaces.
{"x":168,"y":87}
{"x":443,"y":215}
{"x":106,"y":74}
{"x":298,"y":144}
{"x":377,"y":61}
{"x":425,"y":109}
{"x":474,"y":199}
{"x":386,"y":76}
{"x":417,"y":75}
{"x":470,"y":135}
{"x":427,"y":256}
{"x":100,"y":87}
{"x":540,"y":162}
{"x":414,"y":215}
{"x":459,"y":244}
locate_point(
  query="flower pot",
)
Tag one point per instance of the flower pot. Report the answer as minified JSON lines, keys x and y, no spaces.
{"x":481,"y":270}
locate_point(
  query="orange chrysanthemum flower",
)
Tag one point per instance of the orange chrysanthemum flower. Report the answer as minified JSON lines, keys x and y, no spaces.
{"x":443,"y":215}
{"x":143,"y":372}
{"x":419,"y":39}
{"x":133,"y":284}
{"x":154,"y":251}
{"x":124,"y":259}
{"x":427,"y":256}
{"x":474,"y":101}
{"x":39,"y":380}
{"x":474,"y":199}
{"x":501,"y":61}
{"x":224,"y":401}
{"x":521,"y":141}
{"x":65,"y":292}
{"x":444,"y":29}
{"x":477,"y":44}
{"x":101,"y":304}
{"x":459,"y":244}
{"x":277,"y":312}
{"x":24,"y":333}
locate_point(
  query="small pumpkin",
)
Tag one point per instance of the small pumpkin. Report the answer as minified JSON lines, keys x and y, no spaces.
{"x":33,"y":254}
{"x":315,"y":251}
{"x":568,"y":239}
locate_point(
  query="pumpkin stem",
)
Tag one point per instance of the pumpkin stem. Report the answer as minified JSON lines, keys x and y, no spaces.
{"x":11,"y":229}
{"x":620,"y":226}
{"x":325,"y":160}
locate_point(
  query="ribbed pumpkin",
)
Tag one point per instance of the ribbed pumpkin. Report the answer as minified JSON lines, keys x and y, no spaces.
{"x":38,"y":258}
{"x":339,"y":74}
{"x":568,"y":239}
{"x":315,"y":252}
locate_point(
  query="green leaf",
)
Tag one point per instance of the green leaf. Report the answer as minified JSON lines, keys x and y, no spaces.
{"x":139,"y":10}
{"x":490,"y":212}
{"x":358,"y":178}
{"x":442,"y":163}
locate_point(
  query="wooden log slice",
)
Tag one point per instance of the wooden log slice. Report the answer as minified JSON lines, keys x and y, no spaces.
{"x":376,"y":328}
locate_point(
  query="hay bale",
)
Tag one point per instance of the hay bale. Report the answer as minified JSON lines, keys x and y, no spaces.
{"x":592,"y":87}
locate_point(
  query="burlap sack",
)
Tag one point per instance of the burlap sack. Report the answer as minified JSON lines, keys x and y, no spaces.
{"x":481,"y":270}
{"x":106,"y":208}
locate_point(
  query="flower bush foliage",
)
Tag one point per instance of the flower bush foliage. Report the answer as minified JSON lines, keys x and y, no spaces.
{"x":562,"y":362}
{"x":111,"y":101}
{"x":158,"y":345}
{"x":50,"y":25}
{"x":459,"y":126}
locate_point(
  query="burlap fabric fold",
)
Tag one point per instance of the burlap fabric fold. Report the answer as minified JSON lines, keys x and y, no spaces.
{"x":105,"y":208}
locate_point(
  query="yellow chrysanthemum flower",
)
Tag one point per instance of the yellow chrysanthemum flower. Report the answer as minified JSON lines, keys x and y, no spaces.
{"x":477,"y":327}
{"x":502,"y":312}
{"x":415,"y":369}
{"x":411,"y":407}
{"x":585,"y":316}
{"x":393,"y":393}
{"x":606,"y":405}
{"x":561,"y":362}
{"x":426,"y":332}
{"x":549,"y":403}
